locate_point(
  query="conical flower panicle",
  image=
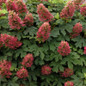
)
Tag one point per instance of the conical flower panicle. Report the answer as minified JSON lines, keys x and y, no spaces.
{"x":64,"y":48}
{"x":28,"y":60}
{"x":77,"y":29}
{"x":77,"y":3}
{"x":43,"y":32}
{"x":21,"y":7}
{"x":44,"y":14}
{"x":46,"y":70}
{"x":15,"y":21}
{"x":28,"y":20}
{"x":10,"y":4}
{"x":22,"y":73}
{"x":10,"y":41}
{"x":67,"y":72}
{"x":83,"y":9}
{"x":5,"y":68}
{"x":68,"y":11}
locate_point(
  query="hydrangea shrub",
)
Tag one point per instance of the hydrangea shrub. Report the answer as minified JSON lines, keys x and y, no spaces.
{"x":42,"y":44}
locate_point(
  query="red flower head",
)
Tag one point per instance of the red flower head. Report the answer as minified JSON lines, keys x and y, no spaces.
{"x":77,"y":3}
{"x":46,"y":70}
{"x":83,"y":9}
{"x":28,"y":60}
{"x":43,"y":32}
{"x":77,"y":29}
{"x":5,"y":68}
{"x":84,"y":50}
{"x":10,"y":41}
{"x":10,"y":4}
{"x":68,"y":83}
{"x":67,"y":72}
{"x":28,"y":20}
{"x":64,"y":48}
{"x":44,"y":14}
{"x":68,"y":11}
{"x":21,"y":7}
{"x":14,"y":20}
{"x":22,"y":73}
{"x":2,"y":1}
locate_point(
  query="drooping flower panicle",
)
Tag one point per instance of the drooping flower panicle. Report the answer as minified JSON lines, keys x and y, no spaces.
{"x":10,"y":41}
{"x":28,"y":60}
{"x":64,"y":48}
{"x":68,"y":83}
{"x":44,"y":14}
{"x":5,"y":68}
{"x":43,"y":32}
{"x":22,"y":73}
{"x":46,"y":70}
{"x":15,"y":21}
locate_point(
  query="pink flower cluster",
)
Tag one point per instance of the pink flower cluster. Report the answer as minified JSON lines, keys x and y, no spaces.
{"x":44,"y":14}
{"x":14,"y":20}
{"x":11,"y":5}
{"x":69,"y":83}
{"x":28,"y":60}
{"x":16,"y":5}
{"x":10,"y":41}
{"x":2,"y":1}
{"x":28,"y":20}
{"x":77,"y":3}
{"x":5,"y":68}
{"x":68,"y":11}
{"x":77,"y":29}
{"x":64,"y":48}
{"x":83,"y":9}
{"x":46,"y":70}
{"x":43,"y":32}
{"x":22,"y":73}
{"x":84,"y":50}
{"x":21,"y":7}
{"x":67,"y":72}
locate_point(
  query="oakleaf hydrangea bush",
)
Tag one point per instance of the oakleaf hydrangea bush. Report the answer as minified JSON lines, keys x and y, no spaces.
{"x":42,"y":43}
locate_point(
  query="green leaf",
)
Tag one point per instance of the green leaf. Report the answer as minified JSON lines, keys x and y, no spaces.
{"x":70,"y":65}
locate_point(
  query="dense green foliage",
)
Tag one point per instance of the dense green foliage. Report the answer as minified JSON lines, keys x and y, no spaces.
{"x":46,"y":53}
